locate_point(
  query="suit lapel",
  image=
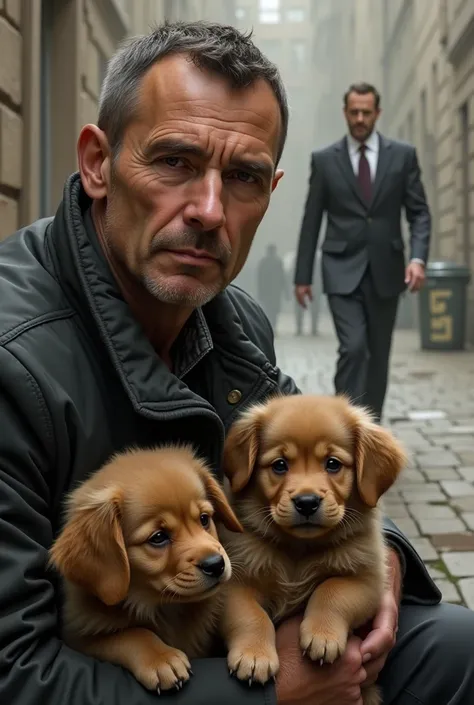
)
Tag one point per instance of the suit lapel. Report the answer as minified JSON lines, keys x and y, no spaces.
{"x":385,"y":149}
{"x":345,"y":165}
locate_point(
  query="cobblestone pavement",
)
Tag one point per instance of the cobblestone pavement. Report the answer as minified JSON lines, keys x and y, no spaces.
{"x":430,"y":407}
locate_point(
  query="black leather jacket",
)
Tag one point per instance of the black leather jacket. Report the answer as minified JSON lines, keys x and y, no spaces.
{"x":79,"y":381}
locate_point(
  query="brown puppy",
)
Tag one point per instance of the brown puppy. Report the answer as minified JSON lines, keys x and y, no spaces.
{"x":306,"y":473}
{"x":142,"y":563}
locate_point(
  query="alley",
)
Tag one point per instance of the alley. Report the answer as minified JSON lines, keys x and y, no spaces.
{"x":430,"y":407}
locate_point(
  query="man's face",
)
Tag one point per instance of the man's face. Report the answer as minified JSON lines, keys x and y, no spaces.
{"x":192,"y":181}
{"x":361,"y":115}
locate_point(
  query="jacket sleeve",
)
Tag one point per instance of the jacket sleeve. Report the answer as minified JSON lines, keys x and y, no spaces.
{"x":417,"y":211}
{"x":418,"y":586}
{"x":311,"y":224}
{"x":35,"y":666}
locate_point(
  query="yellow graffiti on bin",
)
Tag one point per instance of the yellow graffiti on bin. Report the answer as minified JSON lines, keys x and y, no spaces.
{"x":441,"y":321}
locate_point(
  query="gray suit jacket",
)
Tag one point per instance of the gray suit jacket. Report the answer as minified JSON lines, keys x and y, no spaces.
{"x":357,"y":233}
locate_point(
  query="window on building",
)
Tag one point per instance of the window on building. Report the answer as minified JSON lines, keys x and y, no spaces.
{"x":297,"y":55}
{"x":269,"y":11}
{"x":296,"y":14}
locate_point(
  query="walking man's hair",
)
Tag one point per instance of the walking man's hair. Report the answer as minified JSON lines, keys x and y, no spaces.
{"x":362,"y":88}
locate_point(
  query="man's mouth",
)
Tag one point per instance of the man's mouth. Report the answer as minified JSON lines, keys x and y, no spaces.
{"x":199,"y":258}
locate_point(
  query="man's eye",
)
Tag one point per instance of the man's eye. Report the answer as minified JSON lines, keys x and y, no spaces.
{"x":172,"y":161}
{"x":245,"y":176}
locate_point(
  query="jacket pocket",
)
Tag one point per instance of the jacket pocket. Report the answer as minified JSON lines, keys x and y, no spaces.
{"x":334,"y":246}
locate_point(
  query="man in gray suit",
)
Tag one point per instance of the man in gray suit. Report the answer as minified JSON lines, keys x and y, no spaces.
{"x":362,"y":182}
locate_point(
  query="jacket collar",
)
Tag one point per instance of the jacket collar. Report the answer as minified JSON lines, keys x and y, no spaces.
{"x":91,"y":287}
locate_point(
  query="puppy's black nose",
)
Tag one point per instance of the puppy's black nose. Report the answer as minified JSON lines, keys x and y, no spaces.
{"x":213,"y":566}
{"x":306,"y":504}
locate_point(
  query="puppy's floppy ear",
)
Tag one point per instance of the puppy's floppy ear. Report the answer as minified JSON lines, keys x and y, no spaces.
{"x":220,"y":502}
{"x":90,"y":551}
{"x":379,"y":458}
{"x":241,"y":447}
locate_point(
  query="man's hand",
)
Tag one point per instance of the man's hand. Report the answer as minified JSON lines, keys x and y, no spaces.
{"x":382,"y":635}
{"x":301,"y":682}
{"x":303,"y":292}
{"x":415,"y":276}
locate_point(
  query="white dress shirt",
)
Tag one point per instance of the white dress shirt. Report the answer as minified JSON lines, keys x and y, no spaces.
{"x":372,"y":144}
{"x":371,"y":152}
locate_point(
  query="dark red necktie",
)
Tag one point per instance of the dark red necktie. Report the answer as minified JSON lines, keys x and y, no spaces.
{"x":364,"y":175}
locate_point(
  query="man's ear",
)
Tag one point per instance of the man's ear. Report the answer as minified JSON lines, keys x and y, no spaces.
{"x":241,"y":448}
{"x":93,"y":154}
{"x":279,"y":174}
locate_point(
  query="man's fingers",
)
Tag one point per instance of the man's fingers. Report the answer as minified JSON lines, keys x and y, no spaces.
{"x":378,"y":643}
{"x":387,"y":616}
{"x":373,"y":668}
{"x":381,"y":639}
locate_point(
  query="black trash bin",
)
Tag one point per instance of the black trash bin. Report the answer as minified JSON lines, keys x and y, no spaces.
{"x":443,"y":304}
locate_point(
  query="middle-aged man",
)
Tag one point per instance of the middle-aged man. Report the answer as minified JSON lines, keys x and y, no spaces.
{"x":362,"y":183}
{"x":118,"y":327}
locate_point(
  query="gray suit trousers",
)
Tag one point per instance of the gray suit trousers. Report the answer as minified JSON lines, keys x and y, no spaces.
{"x":364,"y":324}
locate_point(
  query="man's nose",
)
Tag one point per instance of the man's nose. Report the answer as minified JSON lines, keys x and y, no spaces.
{"x":205,"y":209}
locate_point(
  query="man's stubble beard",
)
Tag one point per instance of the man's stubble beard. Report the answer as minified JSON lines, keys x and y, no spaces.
{"x":163,"y":290}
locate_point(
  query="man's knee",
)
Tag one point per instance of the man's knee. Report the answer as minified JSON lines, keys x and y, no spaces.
{"x":355,"y":349}
{"x":450,"y":636}
{"x":433,"y":660}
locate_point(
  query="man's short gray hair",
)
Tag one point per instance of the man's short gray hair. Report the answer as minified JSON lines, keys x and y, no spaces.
{"x":217,"y":48}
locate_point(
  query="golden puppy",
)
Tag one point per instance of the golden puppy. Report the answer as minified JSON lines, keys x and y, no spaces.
{"x":142,"y":563}
{"x":306,"y":473}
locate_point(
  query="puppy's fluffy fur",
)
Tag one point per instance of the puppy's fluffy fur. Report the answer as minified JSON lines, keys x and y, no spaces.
{"x":306,"y":473}
{"x":132,"y":552}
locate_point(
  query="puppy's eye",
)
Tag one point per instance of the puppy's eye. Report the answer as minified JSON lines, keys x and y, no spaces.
{"x":280,"y":466}
{"x":159,"y":539}
{"x":205,"y":520}
{"x":333,"y":465}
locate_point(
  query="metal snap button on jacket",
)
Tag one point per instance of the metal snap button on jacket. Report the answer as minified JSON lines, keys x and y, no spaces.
{"x":234,"y":396}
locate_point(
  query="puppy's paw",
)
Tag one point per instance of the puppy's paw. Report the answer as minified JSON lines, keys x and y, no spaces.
{"x":324,"y":641}
{"x":253,"y":662}
{"x":163,"y":670}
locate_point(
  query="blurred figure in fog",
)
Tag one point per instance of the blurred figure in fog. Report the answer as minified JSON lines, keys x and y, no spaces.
{"x":314,"y":304}
{"x":362,"y":182}
{"x":271,"y":283}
